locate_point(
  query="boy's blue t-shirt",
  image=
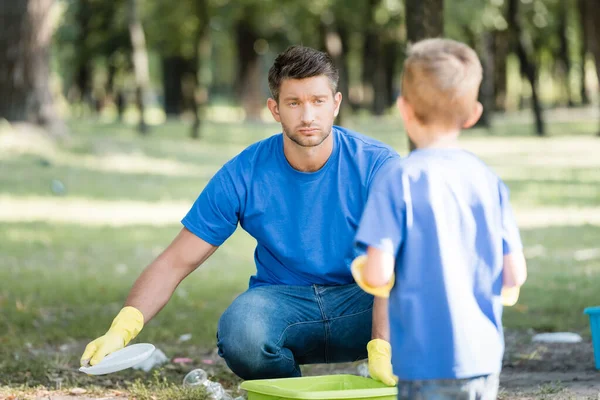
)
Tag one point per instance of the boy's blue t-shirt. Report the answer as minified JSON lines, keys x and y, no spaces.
{"x":446,"y":217}
{"x":304,"y":223}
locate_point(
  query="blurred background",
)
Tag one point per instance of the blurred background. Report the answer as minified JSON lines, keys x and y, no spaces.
{"x":208,"y":59}
{"x":114,"y":115}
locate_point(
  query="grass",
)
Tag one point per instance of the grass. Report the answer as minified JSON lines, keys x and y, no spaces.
{"x":68,"y":258}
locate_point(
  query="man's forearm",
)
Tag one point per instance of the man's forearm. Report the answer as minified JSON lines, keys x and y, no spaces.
{"x":153,"y":289}
{"x":155,"y":286}
{"x":381,"y":326}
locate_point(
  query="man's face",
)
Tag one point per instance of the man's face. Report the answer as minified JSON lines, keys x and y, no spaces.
{"x":306,"y":109}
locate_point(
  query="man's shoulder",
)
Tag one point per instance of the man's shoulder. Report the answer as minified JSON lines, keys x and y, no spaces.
{"x":255,"y":151}
{"x":360,"y":142}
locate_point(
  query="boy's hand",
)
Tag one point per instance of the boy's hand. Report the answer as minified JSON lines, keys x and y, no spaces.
{"x":357,"y":268}
{"x":126,"y":325}
{"x":380,"y":362}
{"x":510,"y":296}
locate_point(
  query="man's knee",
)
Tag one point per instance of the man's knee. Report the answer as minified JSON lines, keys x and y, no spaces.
{"x":247,"y":339}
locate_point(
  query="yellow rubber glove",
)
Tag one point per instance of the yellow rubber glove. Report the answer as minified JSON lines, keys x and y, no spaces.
{"x":357,"y":268}
{"x":380,"y":362}
{"x":126,"y":326}
{"x":510,"y":296}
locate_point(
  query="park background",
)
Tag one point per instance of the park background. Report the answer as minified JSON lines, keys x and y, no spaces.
{"x":114,"y":115}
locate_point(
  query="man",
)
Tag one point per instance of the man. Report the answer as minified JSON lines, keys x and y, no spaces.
{"x":300,"y":194}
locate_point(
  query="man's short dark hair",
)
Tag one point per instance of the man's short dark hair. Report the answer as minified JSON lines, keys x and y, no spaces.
{"x":299,"y":62}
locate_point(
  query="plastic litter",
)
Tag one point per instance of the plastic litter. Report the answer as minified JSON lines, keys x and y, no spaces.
{"x":557,"y":337}
{"x":363,"y":370}
{"x":157,"y":359}
{"x":198,"y":377}
{"x":185,"y":337}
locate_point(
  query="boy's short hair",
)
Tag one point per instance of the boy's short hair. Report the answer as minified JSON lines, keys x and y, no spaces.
{"x":441,"y":80}
{"x":299,"y":62}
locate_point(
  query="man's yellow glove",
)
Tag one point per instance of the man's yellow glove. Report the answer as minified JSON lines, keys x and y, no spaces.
{"x":380,"y":362}
{"x":126,"y":325}
{"x":510,"y":296}
{"x":357,"y":268}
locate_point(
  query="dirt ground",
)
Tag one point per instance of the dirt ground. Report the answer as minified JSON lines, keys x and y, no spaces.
{"x":531,"y":371}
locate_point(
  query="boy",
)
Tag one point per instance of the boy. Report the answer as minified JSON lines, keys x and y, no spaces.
{"x":440,"y":225}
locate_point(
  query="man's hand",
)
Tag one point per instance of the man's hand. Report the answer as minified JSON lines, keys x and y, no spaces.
{"x":126,"y":325}
{"x":380,"y":362}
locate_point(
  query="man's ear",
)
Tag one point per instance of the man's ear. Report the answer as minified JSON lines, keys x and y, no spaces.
{"x":274,"y":108}
{"x":474,"y":117}
{"x":337,"y":99}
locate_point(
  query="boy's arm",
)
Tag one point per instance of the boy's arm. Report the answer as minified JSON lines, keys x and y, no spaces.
{"x":514,"y":271}
{"x":514,"y":268}
{"x":379,"y":267}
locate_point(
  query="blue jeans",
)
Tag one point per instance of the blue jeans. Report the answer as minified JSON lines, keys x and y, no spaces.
{"x":479,"y":388}
{"x":269,"y":331}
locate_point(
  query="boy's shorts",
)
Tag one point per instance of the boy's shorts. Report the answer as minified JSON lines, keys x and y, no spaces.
{"x":478,"y":388}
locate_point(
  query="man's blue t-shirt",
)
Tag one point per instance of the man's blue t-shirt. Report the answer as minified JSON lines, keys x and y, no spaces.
{"x":304,"y":223}
{"x":446,"y":217}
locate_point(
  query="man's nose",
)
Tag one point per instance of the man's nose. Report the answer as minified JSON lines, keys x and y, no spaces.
{"x":308,"y":115}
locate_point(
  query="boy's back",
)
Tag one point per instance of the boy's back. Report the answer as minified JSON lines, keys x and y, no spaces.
{"x":447,"y":218}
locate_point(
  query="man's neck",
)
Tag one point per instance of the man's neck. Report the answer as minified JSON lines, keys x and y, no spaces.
{"x":307,"y":159}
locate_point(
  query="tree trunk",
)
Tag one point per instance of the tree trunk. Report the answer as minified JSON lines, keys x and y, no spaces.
{"x":501,"y":51}
{"x":370,"y":55}
{"x":173,"y":69}
{"x":380,"y":93}
{"x":25,"y":35}
{"x":564,"y":60}
{"x":140,"y":61}
{"x":593,"y":27}
{"x":528,"y":69}
{"x":201,"y":52}
{"x":486,"y":90}
{"x":83,"y":74}
{"x":424,"y":19}
{"x":248,"y":71}
{"x":584,"y":40}
{"x":335,"y":43}
{"x":391,"y":52}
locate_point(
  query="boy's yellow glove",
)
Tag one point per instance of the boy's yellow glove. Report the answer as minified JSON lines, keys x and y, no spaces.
{"x":126,"y":325}
{"x":510,"y":296}
{"x":380,"y":362}
{"x":357,"y":268}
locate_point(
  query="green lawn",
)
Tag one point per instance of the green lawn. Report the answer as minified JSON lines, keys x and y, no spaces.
{"x":68,"y":260}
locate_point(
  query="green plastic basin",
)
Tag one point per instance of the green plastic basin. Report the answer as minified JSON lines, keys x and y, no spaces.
{"x":319,"y":387}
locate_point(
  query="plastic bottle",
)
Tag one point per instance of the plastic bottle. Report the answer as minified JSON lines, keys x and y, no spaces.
{"x":198,"y":377}
{"x":363,"y":370}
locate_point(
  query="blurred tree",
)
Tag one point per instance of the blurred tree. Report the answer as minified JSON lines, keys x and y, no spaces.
{"x":424,"y":19}
{"x":26,"y":28}
{"x":180,"y":53}
{"x":94,"y":33}
{"x":583,"y":49}
{"x":528,"y":68}
{"x":201,"y":42}
{"x":83,"y":73}
{"x":501,"y":51}
{"x":480,"y":23}
{"x":140,"y":61}
{"x":563,"y":54}
{"x":383,"y":50}
{"x":592,"y":23}
{"x":249,"y":73}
